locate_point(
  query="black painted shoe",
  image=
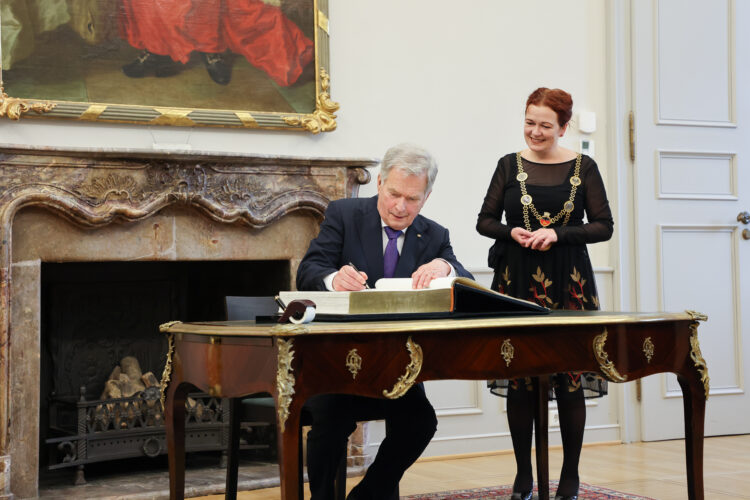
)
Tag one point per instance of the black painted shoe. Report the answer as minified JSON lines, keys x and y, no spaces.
{"x":521,"y":496}
{"x":148,"y":63}
{"x":566,"y":497}
{"x":218,"y":68}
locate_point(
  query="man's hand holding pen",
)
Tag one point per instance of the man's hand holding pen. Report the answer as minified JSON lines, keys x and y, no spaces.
{"x":349,"y":278}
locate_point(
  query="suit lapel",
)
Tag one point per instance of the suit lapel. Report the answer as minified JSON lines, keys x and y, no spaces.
{"x":371,"y":238}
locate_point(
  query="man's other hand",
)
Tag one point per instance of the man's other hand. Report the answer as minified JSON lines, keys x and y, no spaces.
{"x":425,"y":273}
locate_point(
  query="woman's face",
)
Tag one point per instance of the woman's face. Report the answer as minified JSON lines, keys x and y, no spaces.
{"x":541,"y":129}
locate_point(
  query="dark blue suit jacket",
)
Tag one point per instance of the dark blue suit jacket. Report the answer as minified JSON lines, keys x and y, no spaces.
{"x":352,"y":232}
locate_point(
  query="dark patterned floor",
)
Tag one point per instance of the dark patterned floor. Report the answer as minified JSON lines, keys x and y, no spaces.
{"x":148,"y":479}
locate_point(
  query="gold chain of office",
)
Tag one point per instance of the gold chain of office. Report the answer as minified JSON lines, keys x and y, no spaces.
{"x":527,"y":201}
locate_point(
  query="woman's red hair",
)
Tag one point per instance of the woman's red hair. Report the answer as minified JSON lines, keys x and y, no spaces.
{"x":557,"y":100}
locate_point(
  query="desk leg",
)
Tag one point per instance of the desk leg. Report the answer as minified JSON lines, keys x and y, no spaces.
{"x":290,"y":458}
{"x":233,"y":451}
{"x":694,"y":400}
{"x":174,"y":421}
{"x":541,"y":438}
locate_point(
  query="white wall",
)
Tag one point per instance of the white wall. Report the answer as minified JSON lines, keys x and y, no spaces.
{"x":452,"y":76}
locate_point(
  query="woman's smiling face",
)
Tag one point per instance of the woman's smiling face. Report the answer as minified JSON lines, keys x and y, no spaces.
{"x":541,"y":130}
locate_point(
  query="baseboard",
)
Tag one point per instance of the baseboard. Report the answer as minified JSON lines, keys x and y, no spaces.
{"x":458,"y":456}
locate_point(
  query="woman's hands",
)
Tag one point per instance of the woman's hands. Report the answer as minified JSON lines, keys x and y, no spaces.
{"x":541,"y":239}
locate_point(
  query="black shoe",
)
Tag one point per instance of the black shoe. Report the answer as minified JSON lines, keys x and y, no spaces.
{"x":521,"y":496}
{"x":218,"y":68}
{"x":148,"y":63}
{"x":566,"y":497}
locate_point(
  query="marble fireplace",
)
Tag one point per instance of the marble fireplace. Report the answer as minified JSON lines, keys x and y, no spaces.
{"x":75,"y":206}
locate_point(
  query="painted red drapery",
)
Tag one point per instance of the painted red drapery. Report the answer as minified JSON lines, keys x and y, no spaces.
{"x":261,"y":33}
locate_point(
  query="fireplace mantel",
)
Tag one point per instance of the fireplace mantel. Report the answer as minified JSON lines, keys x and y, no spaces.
{"x":93,"y":189}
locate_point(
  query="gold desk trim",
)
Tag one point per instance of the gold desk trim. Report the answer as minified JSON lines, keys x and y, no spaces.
{"x":507,"y":351}
{"x":249,"y":328}
{"x":695,"y":350}
{"x":353,"y":362}
{"x":284,"y":380}
{"x":166,"y":375}
{"x":648,"y":349}
{"x":407,"y":380}
{"x":607,"y":367}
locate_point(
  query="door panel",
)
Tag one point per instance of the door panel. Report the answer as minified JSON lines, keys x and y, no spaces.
{"x":691,"y":179}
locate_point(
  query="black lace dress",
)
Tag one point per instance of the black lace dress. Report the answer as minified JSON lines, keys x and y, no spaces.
{"x":558,"y":278}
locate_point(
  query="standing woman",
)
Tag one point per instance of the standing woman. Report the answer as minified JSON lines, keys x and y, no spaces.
{"x":540,"y":255}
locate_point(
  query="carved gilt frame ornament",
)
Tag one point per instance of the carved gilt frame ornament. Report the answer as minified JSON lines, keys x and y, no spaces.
{"x":284,"y":379}
{"x":648,"y":349}
{"x":407,"y":380}
{"x":13,"y":107}
{"x":354,"y":362}
{"x":507,"y":351}
{"x":315,"y":95}
{"x":607,"y":367}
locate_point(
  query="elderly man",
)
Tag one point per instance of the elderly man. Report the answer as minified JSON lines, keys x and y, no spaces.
{"x":382,"y":236}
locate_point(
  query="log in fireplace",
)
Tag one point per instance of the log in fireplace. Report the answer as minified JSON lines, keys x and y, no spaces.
{"x":68,"y":207}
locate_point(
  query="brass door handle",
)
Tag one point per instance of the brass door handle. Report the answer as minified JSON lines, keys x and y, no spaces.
{"x":746,"y":234}
{"x":744,"y":217}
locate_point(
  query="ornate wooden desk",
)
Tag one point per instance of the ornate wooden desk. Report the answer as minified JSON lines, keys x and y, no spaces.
{"x":384,"y":359}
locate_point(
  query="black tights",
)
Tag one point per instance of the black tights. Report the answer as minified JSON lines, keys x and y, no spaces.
{"x":571,"y":409}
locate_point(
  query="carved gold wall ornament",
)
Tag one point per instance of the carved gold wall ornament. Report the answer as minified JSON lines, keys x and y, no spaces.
{"x":407,"y":380}
{"x":354,"y":362}
{"x":284,"y":379}
{"x":607,"y":367}
{"x":507,"y":351}
{"x":166,"y":375}
{"x":323,"y":118}
{"x":648,"y":349}
{"x":13,"y":107}
{"x":697,"y":357}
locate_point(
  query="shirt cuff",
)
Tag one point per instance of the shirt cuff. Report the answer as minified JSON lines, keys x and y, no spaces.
{"x":328,"y":281}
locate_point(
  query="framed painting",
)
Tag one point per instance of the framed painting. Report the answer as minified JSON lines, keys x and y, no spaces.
{"x":224,"y":63}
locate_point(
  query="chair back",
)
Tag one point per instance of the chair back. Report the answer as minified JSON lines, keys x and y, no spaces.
{"x":248,"y":308}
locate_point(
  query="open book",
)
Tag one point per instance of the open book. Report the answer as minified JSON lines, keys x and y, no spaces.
{"x":395,"y":296}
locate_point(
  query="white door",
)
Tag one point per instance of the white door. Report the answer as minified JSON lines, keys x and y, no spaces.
{"x":691,"y":95}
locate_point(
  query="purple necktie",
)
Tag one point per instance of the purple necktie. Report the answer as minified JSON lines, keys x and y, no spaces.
{"x":390,"y":256}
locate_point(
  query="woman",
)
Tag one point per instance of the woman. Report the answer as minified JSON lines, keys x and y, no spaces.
{"x":540,"y":255}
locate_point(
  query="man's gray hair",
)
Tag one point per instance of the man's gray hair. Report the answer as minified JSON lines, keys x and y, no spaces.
{"x":412,"y":159}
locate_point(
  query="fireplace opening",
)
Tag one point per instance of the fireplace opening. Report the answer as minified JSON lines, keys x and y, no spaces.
{"x":95,"y":316}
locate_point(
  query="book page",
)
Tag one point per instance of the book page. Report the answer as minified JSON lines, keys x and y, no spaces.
{"x":394,"y":284}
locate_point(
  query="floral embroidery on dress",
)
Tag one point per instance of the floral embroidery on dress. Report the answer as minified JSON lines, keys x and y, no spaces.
{"x":577,"y":298}
{"x":506,"y":278}
{"x":541,"y":295}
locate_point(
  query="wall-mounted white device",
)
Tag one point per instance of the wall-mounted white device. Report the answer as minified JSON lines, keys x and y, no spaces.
{"x":587,"y":122}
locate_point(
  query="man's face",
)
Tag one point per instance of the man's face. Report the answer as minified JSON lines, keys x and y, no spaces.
{"x":400,"y":197}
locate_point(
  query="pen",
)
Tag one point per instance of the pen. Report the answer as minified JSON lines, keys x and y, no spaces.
{"x":357,"y":270}
{"x":280,"y":302}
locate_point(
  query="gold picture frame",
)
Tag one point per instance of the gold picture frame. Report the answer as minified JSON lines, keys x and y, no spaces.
{"x":77,"y":66}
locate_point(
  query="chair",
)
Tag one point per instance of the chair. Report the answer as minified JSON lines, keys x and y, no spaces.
{"x":262,"y":409}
